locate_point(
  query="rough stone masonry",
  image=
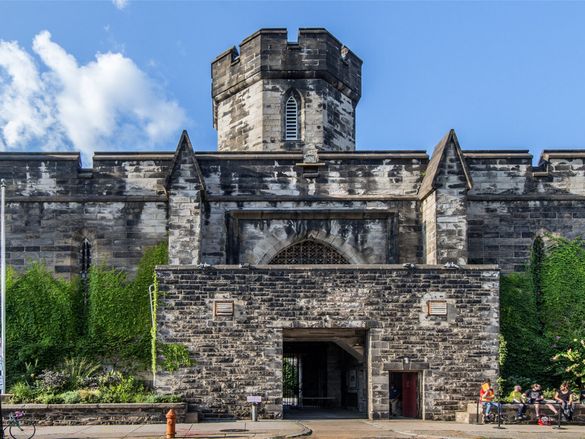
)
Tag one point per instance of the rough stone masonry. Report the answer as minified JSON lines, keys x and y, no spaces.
{"x":289,"y":248}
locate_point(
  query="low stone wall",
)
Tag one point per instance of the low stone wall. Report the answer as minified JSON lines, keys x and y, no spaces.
{"x":95,"y":414}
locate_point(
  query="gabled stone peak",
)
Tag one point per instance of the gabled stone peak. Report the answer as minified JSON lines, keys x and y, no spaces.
{"x":432,"y":172}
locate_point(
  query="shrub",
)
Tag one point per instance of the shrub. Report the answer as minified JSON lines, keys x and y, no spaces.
{"x":52,"y":381}
{"x":22,"y":393}
{"x":89,"y":396}
{"x":112,"y":378}
{"x":71,"y":397}
{"x":125,"y":391}
{"x":79,"y":371}
{"x":49,"y":398}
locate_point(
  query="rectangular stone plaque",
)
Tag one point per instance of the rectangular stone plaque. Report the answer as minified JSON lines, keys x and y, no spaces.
{"x":254,"y":398}
{"x":223,"y":308}
{"x":437,"y":307}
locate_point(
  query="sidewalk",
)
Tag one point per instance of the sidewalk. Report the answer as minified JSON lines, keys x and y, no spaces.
{"x":317,"y":428}
{"x":403,"y":429}
{"x":232,"y":430}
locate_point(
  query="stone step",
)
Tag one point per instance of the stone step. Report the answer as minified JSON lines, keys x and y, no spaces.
{"x":466,"y":418}
{"x":192,"y":417}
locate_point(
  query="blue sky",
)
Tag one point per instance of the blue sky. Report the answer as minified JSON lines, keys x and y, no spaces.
{"x":503,"y":74}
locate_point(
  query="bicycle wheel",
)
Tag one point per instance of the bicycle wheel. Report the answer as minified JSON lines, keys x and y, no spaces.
{"x":22,"y":431}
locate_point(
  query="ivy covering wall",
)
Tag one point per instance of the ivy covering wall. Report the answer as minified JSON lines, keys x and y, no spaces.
{"x":542,"y":313}
{"x":108,"y":319}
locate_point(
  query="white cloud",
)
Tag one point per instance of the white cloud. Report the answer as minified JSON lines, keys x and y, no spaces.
{"x":108,"y":103}
{"x":120,"y":4}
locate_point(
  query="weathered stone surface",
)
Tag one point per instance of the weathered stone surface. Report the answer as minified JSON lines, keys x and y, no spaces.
{"x":96,"y":414}
{"x":239,"y":356}
{"x":53,"y":205}
{"x":249,"y":89}
{"x":259,"y":195}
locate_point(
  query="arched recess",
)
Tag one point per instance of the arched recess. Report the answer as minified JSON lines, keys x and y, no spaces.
{"x":308,"y":251}
{"x":292,"y":116}
{"x":273,"y":245}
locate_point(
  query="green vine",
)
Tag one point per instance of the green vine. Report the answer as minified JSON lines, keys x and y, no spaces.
{"x":119,"y":314}
{"x":542,"y":315}
{"x":48,"y":321}
{"x":175,"y":355}
{"x":153,"y":355}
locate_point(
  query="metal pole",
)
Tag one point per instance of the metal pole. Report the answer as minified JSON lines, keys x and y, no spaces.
{"x":3,"y":283}
{"x":477,"y":421}
{"x":558,"y":426}
{"x":499,"y":426}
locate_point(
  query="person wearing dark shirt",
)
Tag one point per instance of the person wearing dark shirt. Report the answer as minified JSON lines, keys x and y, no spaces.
{"x":394,"y":399}
{"x":534,"y":396}
{"x":564,"y":397}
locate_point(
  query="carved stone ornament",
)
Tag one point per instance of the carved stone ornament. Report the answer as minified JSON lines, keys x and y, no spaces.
{"x":310,"y":154}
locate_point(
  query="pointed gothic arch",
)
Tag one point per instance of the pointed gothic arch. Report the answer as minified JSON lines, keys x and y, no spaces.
{"x":308,"y":252}
{"x":292,"y":110}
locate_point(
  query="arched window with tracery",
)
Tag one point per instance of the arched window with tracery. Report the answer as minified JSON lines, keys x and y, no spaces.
{"x":291,"y":118}
{"x":85,"y":258}
{"x":308,"y":252}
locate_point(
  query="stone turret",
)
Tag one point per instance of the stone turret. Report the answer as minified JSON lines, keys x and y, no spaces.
{"x":275,"y":95}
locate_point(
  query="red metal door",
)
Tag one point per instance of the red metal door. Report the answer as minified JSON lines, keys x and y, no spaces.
{"x":409,"y":394}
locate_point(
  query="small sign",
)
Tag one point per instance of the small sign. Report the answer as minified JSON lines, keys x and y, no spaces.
{"x":437,"y":307}
{"x":224,"y":308}
{"x":256,"y":399}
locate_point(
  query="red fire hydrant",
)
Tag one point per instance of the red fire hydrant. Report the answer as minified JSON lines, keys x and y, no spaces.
{"x":171,"y":422}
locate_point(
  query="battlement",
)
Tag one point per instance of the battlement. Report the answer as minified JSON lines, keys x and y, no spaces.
{"x":267,"y":54}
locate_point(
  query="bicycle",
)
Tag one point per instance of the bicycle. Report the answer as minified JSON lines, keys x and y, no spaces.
{"x":16,"y":429}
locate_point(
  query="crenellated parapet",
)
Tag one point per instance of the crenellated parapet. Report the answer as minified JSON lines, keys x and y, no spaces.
{"x":267,"y":54}
{"x":276,"y":95}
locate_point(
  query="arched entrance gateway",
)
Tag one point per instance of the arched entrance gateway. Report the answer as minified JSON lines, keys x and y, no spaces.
{"x":323,"y":369}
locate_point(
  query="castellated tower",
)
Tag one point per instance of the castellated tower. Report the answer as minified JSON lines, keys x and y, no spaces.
{"x":275,"y":95}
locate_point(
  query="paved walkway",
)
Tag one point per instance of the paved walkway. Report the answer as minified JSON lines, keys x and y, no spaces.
{"x":320,"y":428}
{"x":232,"y":430}
{"x":402,"y":429}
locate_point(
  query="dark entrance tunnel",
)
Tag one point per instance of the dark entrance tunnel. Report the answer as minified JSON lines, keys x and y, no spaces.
{"x":324,"y":373}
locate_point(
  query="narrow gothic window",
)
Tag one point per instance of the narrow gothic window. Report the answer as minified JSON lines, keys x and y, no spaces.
{"x":308,"y":252}
{"x":85,"y":259}
{"x":291,"y":119}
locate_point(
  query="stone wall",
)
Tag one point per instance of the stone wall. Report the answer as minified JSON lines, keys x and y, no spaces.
{"x":53,"y":205}
{"x":128,"y":202}
{"x":364,"y":204}
{"x":249,"y":90}
{"x":240,"y":356}
{"x":512,"y":202}
{"x":96,"y":414}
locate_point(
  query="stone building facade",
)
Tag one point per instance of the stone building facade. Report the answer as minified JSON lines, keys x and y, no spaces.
{"x":302,"y":270}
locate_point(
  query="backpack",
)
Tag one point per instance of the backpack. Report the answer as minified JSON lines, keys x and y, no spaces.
{"x":545,"y":420}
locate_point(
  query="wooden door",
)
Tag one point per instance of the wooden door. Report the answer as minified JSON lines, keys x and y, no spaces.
{"x":410,"y":394}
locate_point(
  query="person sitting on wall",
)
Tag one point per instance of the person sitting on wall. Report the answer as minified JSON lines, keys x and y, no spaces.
{"x":564,"y":397}
{"x":517,"y":397}
{"x":534,"y":396}
{"x":486,"y":397}
{"x":394,"y":399}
